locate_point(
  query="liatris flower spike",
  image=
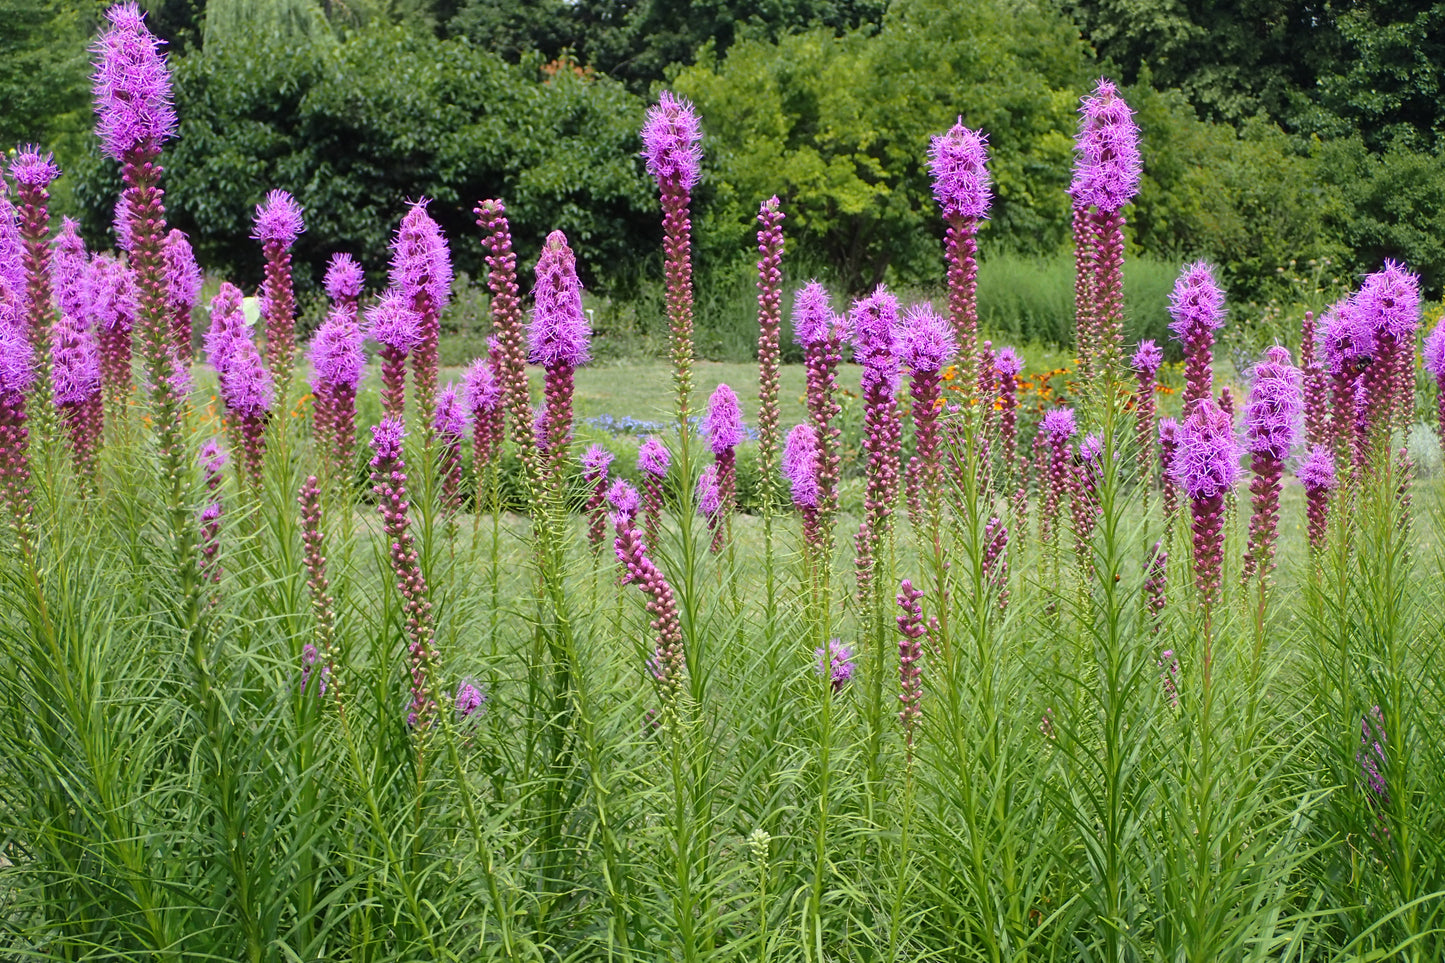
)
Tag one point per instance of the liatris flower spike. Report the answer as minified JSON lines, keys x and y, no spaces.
{"x":213,"y":462}
{"x":1007,"y":365}
{"x":668,"y":665}
{"x":1146,"y":362}
{"x":836,"y":664}
{"x":816,"y":328}
{"x":344,"y":279}
{"x":670,"y":143}
{"x":653,"y":460}
{"x":75,"y":359}
{"x":708,"y":497}
{"x":484,"y":398}
{"x":421,"y":271}
{"x":912,"y":628}
{"x":33,"y":173}
{"x":132,"y":88}
{"x":624,"y":498}
{"x":958,"y":162}
{"x":1435,"y":367}
{"x":338,"y":362}
{"x":724,"y":429}
{"x":450,"y":423}
{"x":926,"y":346}
{"x":245,"y":385}
{"x":995,"y":558}
{"x":17,"y":374}
{"x":1109,"y":165}
{"x":1316,"y":474}
{"x":278,"y":224}
{"x":1272,"y":424}
{"x":183,"y":293}
{"x":770,"y":315}
{"x":875,"y":347}
{"x":1156,"y":586}
{"x":1168,"y":445}
{"x":395,"y":326}
{"x":560,"y":338}
{"x":324,"y":649}
{"x":1084,"y":488}
{"x":469,"y":700}
{"x":1197,"y":307}
{"x":1206,"y":465}
{"x":800,"y":469}
{"x":511,"y":367}
{"x":111,"y":304}
{"x":595,"y":462}
{"x":1056,"y":429}
{"x":1389,"y":301}
{"x":70,"y":271}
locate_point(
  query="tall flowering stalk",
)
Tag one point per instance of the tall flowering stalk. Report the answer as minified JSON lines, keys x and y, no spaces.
{"x":111,"y":304}
{"x":653,"y":461}
{"x":75,"y":361}
{"x":1055,"y":431}
{"x":1106,"y":177}
{"x":1007,"y":365}
{"x":1389,"y":303}
{"x":912,"y":630}
{"x":1206,"y":465}
{"x":875,"y":320}
{"x":1086,"y":261}
{"x":338,"y":363}
{"x":1146,"y":362}
{"x":816,"y":329}
{"x":246,"y":386}
{"x":317,"y":585}
{"x":396,"y":328}
{"x":277,"y":226}
{"x":770,"y":316}
{"x":560,"y":341}
{"x":671,"y":137}
{"x":388,"y":481}
{"x":343,"y":282}
{"x":17,"y":376}
{"x":421,"y":270}
{"x":183,"y":293}
{"x":1197,"y":308}
{"x":668,"y":665}
{"x":70,"y":272}
{"x":724,"y":430}
{"x":1168,"y":446}
{"x":1272,"y":424}
{"x":800,"y":469}
{"x":1316,"y":386}
{"x":1435,"y":367}
{"x":213,"y":464}
{"x":1084,"y":491}
{"x":33,"y":173}
{"x":926,"y":347}
{"x":1316,"y":474}
{"x":707,"y":496}
{"x":450,"y":425}
{"x":995,"y":558}
{"x":12,"y":258}
{"x":595,"y":462}
{"x":484,"y":400}
{"x":958,"y":161}
{"x":507,"y":328}
{"x":1349,"y":348}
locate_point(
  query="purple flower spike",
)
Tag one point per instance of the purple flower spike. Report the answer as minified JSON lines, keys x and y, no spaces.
{"x":386,"y":439}
{"x":1059,"y":423}
{"x":132,"y":86}
{"x":723,"y":425}
{"x":228,"y":322}
{"x":927,"y":343}
{"x":469,"y":700}
{"x":1389,"y":299}
{"x":1317,"y":475}
{"x":623,"y":497}
{"x":1008,"y":363}
{"x":1276,"y":406}
{"x":278,"y":220}
{"x":1348,"y":337}
{"x":595,"y":461}
{"x":958,"y":162}
{"x":875,"y":335}
{"x":1206,"y":465}
{"x":420,"y":258}
{"x":836,"y":664}
{"x":344,"y":278}
{"x":559,"y":333}
{"x":671,"y":135}
{"x":708,"y":495}
{"x":1435,"y":366}
{"x":1108,"y":168}
{"x":1148,"y":358}
{"x":800,"y":465}
{"x":450,"y":424}
{"x":653,"y":458}
{"x":813,"y":318}
{"x":1197,"y":307}
{"x":32,"y":169}
{"x":451,"y":416}
{"x":17,"y":363}
{"x":393,"y":324}
{"x":337,"y":356}
{"x":70,"y":271}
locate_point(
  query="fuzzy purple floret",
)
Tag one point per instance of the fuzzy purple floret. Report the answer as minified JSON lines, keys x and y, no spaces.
{"x":875,"y":330}
{"x":75,"y":358}
{"x":451,"y":415}
{"x":12,"y":254}
{"x":1435,"y":351}
{"x":708,"y":494}
{"x":1316,"y":471}
{"x":723,"y":425}
{"x":654,"y":458}
{"x":624,"y":498}
{"x":483,"y":394}
{"x":595,"y":461}
{"x":32,"y":169}
{"x":958,"y":161}
{"x":1348,"y":338}
{"x":927,"y":341}
{"x":837,"y":663}
{"x":671,"y":137}
{"x":337,"y":357}
{"x":344,"y":278}
{"x":109,"y":297}
{"x":800,"y":464}
{"x":393,"y":323}
{"x":1148,"y":358}
{"x":1197,"y":301}
{"x":278,"y":220}
{"x":386,"y":439}
{"x":1206,"y":462}
{"x":228,"y":324}
{"x":1060,"y":423}
{"x":469,"y":699}
{"x":70,"y":271}
{"x":183,"y":274}
{"x":246,"y":385}
{"x":1108,"y":166}
{"x":1092,"y":447}
{"x":212,"y":456}
{"x":132,"y":85}
{"x":421,"y":259}
{"x":1276,"y":406}
{"x":813,"y":318}
{"x":17,"y":361}
{"x":1007,"y":362}
{"x":559,"y":333}
{"x":1389,"y":301}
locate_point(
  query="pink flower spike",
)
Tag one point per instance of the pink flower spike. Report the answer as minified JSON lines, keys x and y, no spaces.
{"x":337,"y":357}
{"x":1008,"y":363}
{"x":723,"y":425}
{"x":653,"y":458}
{"x":32,"y":169}
{"x":671,"y":135}
{"x":813,"y":318}
{"x":800,"y":465}
{"x":559,"y":332}
{"x":1109,"y":166}
{"x":392,"y":322}
{"x":132,"y":86}
{"x":421,"y":259}
{"x":344,"y":278}
{"x":927,"y":343}
{"x":278,"y":220}
{"x":1148,"y":358}
{"x":958,"y":162}
{"x":1389,"y":300}
{"x":624,"y":498}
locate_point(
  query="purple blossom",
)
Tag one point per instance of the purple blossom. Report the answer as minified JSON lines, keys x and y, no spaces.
{"x":451,"y":416}
{"x":1316,"y":471}
{"x":212,"y":457}
{"x":70,"y":271}
{"x":228,"y":323}
{"x":709,"y":496}
{"x":32,"y":169}
{"x":393,"y":323}
{"x":183,"y":274}
{"x":875,"y":335}
{"x":246,"y":385}
{"x":483,"y":394}
{"x":1276,"y":406}
{"x":1389,"y":301}
{"x":420,"y":258}
{"x":559,"y":333}
{"x":1197,"y":301}
{"x":1092,"y":447}
{"x":1148,"y":358}
{"x":624,"y":498}
{"x":337,"y":357}
{"x":595,"y":461}
{"x":132,"y":85}
{"x":1348,"y":336}
{"x":800,"y":464}
{"x":1206,"y":463}
{"x":1059,"y":422}
{"x":278,"y":220}
{"x":12,"y":256}
{"x":17,"y":362}
{"x":670,"y":141}
{"x":1107,"y":170}
{"x":344,"y":278}
{"x":723,"y":425}
{"x":386,"y":439}
{"x":837,"y":664}
{"x":927,"y":342}
{"x":1435,"y":351}
{"x":1008,"y":363}
{"x":813,"y":318}
{"x":653,"y":458}
{"x":470,"y":699}
{"x":75,"y":360}
{"x":958,"y":162}
{"x":108,"y":293}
